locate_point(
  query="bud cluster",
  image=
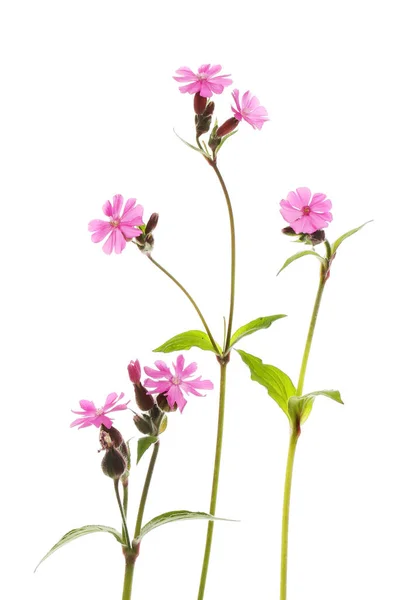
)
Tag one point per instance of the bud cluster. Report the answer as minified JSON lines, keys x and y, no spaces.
{"x":152,"y":420}
{"x":116,"y":460}
{"x":145,"y":241}
{"x":204,"y":111}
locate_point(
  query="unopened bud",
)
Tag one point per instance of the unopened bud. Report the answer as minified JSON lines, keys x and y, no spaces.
{"x":110,"y":438}
{"x":199,"y":104}
{"x":134,"y":371}
{"x":203,"y":124}
{"x":227,"y":127}
{"x":144,"y":400}
{"x":209,"y":109}
{"x":289,"y":231}
{"x":162,"y":402}
{"x":113,"y":464}
{"x":151,"y":223}
{"x":144,"y":424}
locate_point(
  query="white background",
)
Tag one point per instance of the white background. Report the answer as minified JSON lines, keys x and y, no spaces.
{"x":88,"y":110}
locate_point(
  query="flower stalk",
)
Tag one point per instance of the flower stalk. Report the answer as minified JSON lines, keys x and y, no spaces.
{"x":146,"y":486}
{"x":295,"y":433}
{"x":197,"y":309}
{"x":223,"y":361}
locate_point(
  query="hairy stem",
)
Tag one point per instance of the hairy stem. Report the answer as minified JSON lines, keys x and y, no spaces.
{"x":214,"y":490}
{"x":197,"y":309}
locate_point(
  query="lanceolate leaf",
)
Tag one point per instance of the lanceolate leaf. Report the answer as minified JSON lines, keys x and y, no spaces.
{"x":176,"y":515}
{"x":336,"y":244}
{"x":256,"y":325}
{"x":299,"y":255}
{"x":76,"y":533}
{"x":144,"y":444}
{"x":192,"y":147}
{"x":224,"y":140}
{"x":278,"y":384}
{"x":300,"y":406}
{"x":186,"y":340}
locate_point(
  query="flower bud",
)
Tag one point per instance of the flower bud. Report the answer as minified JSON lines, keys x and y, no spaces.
{"x":110,"y":438}
{"x":203,"y":124}
{"x":289,"y":231}
{"x":144,"y":424}
{"x":209,"y":109}
{"x":227,"y":127}
{"x":199,"y":104}
{"x":151,"y":223}
{"x":113,"y":464}
{"x":144,"y":400}
{"x":134,"y":371}
{"x":162,"y":402}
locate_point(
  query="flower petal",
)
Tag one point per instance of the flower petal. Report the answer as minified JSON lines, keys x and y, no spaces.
{"x":117,"y":205}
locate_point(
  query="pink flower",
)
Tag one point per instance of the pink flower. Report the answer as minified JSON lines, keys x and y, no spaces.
{"x":97,"y":416}
{"x":173,"y":386}
{"x":120,"y":227}
{"x":250,"y":110}
{"x":204,"y":81}
{"x":306,"y":216}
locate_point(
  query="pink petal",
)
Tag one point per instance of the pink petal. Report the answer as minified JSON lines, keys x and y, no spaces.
{"x":295,"y":200}
{"x":109,"y":244}
{"x":304,"y":194}
{"x":175,"y":396}
{"x":180,"y":363}
{"x":158,"y":387}
{"x":190,"y":369}
{"x":205,"y":89}
{"x":97,"y":224}
{"x":99,"y":236}
{"x":317,"y":221}
{"x":323,"y":206}
{"x":87,"y":406}
{"x":290,"y":214}
{"x":107,"y":209}
{"x":191,"y":88}
{"x":302,"y":225}
{"x":119,"y":241}
{"x":129,"y":232}
{"x":110,"y":400}
{"x":117,"y":205}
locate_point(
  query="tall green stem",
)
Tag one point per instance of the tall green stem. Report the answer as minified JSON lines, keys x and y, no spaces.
{"x":222,"y":391}
{"x":285,"y":512}
{"x":146,"y":486}
{"x":197,"y":309}
{"x":214,"y":490}
{"x":121,"y":508}
{"x":233,"y":256}
{"x":129,"y":568}
{"x":295,"y":435}
{"x":311,"y":329}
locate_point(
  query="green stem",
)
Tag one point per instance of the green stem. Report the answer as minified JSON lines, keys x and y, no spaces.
{"x":311,"y":329}
{"x":197,"y":309}
{"x":285,"y":512}
{"x":233,"y":257}
{"x":214,"y":490}
{"x":139,"y":519}
{"x":129,"y":567}
{"x":121,"y":508}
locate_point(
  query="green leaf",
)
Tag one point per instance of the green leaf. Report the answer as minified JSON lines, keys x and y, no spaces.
{"x":205,"y":154}
{"x":336,"y":244}
{"x":278,"y":384}
{"x":260,"y":323}
{"x":76,"y":533}
{"x":300,"y":406}
{"x":176,"y":515}
{"x":299,"y":255}
{"x":186,"y":340}
{"x":224,"y":140}
{"x":144,"y":444}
